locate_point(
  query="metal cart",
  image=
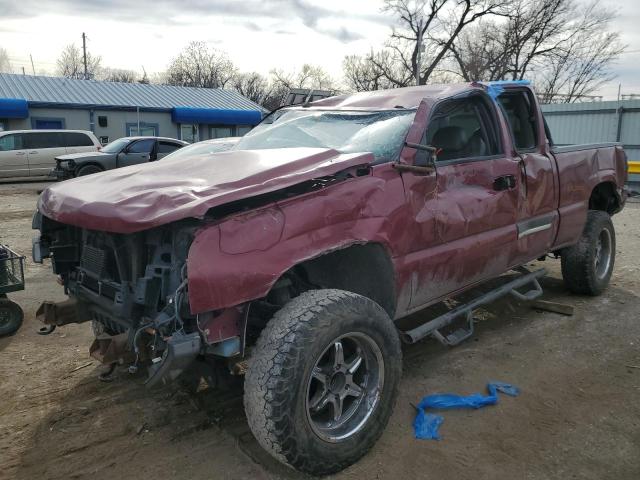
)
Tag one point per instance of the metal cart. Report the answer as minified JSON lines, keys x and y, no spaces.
{"x":11,"y":280}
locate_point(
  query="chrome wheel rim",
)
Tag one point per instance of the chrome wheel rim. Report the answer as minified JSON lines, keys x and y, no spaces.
{"x":344,"y":387}
{"x":602,"y":255}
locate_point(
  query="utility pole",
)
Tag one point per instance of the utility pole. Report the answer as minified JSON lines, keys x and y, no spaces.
{"x":84,"y":55}
{"x":32,"y":67}
{"x":419,"y":53}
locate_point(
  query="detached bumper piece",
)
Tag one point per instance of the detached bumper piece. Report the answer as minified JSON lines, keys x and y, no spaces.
{"x":181,"y":350}
{"x":62,"y":313}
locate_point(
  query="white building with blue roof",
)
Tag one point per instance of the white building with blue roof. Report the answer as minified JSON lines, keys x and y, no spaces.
{"x":113,"y":110}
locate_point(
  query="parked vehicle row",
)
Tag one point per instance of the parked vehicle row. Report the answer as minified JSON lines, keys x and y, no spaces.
{"x":64,"y":154}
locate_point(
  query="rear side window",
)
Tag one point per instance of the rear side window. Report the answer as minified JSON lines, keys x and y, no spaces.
{"x":521,"y":115}
{"x":142,"y":146}
{"x":168,"y":147}
{"x":76,"y":139}
{"x":462,"y":129}
{"x":11,"y":142}
{"x":43,"y":140}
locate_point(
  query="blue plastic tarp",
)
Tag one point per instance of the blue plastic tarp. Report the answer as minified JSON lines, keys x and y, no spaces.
{"x":495,"y":88}
{"x":426,"y":425}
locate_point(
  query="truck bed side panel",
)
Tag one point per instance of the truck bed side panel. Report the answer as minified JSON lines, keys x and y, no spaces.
{"x":581,"y":168}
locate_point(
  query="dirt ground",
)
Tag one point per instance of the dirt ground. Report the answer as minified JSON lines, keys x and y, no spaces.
{"x":578,"y":415}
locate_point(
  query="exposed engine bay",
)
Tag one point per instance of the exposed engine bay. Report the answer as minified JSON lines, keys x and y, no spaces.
{"x":133,"y":288}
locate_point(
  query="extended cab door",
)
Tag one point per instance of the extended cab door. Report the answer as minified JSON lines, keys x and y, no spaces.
{"x":476,"y":199}
{"x":14,"y":158}
{"x":537,"y":216}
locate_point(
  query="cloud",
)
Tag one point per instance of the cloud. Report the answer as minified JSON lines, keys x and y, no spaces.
{"x":342,"y":34}
{"x":168,"y":12}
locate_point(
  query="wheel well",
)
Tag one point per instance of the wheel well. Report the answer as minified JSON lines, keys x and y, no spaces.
{"x":89,"y":164}
{"x":604,"y":198}
{"x":365,"y":269}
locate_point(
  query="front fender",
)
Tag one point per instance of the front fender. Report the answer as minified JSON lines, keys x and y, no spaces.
{"x":240,"y":259}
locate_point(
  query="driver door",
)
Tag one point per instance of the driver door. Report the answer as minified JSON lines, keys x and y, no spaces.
{"x":476,"y":200}
{"x":138,"y":151}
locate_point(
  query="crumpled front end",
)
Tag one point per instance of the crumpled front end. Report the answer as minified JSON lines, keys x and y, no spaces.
{"x":134,"y":289}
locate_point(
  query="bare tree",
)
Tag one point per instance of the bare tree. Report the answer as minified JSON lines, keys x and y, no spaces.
{"x":566,"y":47}
{"x":70,"y":63}
{"x":422,"y":38}
{"x":117,"y":75}
{"x":582,"y":63}
{"x":309,"y":76}
{"x":199,"y":66}
{"x":372,"y":72}
{"x":5,"y":63}
{"x":253,"y":86}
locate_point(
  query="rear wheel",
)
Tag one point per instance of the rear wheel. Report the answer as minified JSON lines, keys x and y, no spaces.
{"x":587,"y":266}
{"x":322,"y":380}
{"x":88,"y":170}
{"x":11,"y":316}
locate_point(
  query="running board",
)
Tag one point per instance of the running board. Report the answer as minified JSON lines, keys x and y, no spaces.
{"x":433,"y":327}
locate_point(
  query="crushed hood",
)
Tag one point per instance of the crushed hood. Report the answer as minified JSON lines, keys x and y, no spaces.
{"x":140,"y":197}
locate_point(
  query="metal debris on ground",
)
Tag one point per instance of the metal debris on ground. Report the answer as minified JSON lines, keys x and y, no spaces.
{"x":554,"y":307}
{"x":426,"y":425}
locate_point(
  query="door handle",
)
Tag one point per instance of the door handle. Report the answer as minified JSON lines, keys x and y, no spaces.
{"x":504,"y":182}
{"x":35,"y":151}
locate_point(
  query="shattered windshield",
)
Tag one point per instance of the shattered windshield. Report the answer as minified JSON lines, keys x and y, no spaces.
{"x":381,"y":133}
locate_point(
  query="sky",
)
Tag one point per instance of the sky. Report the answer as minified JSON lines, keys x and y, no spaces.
{"x":258,"y":35}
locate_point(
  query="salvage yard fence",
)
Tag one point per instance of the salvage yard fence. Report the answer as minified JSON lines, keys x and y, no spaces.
{"x":596,"y":122}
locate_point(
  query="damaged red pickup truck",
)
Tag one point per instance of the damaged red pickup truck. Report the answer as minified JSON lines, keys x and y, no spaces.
{"x":290,"y":257}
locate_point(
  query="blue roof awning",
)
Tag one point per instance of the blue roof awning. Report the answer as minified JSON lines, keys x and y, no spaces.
{"x":214,"y":116}
{"x":13,"y":108}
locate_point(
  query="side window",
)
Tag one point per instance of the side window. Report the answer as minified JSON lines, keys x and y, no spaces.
{"x":142,"y":146}
{"x":521,"y":115}
{"x":76,"y":139}
{"x":168,"y":147}
{"x":43,"y":140}
{"x":462,"y":129}
{"x":11,"y":142}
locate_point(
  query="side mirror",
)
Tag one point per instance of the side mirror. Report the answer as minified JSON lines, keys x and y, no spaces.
{"x":426,"y":155}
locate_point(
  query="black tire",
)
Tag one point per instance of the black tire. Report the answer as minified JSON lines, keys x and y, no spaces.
{"x":11,"y":317}
{"x":88,"y":170}
{"x":279,"y":380}
{"x":587,"y":266}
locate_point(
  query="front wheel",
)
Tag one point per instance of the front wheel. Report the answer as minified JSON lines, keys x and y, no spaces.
{"x":587,"y":266}
{"x":322,"y":380}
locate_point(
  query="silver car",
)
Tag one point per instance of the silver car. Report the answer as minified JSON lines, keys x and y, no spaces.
{"x":32,"y":153}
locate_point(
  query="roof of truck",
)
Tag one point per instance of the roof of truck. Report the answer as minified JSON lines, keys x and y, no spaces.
{"x":407,"y":97}
{"x":410,"y":97}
